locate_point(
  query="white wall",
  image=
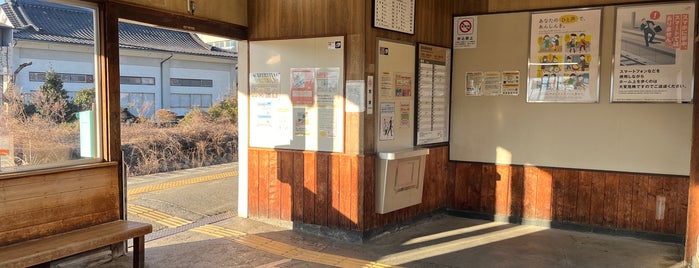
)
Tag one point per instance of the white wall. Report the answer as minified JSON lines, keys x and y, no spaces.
{"x":80,"y":60}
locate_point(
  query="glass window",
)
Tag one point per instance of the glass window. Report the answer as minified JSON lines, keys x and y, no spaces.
{"x":138,"y":103}
{"x":182,"y":82}
{"x":196,"y":100}
{"x":65,"y":77}
{"x":56,"y":123}
{"x":135,"y":80}
{"x":190,"y":100}
{"x":205,"y":101}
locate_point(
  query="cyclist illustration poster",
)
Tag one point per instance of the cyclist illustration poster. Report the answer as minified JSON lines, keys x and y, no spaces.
{"x":654,"y":53}
{"x":564,"y":56}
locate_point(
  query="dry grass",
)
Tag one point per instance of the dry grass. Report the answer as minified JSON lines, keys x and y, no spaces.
{"x":151,"y":149}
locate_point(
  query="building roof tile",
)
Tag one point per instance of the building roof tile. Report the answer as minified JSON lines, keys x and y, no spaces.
{"x":49,"y":22}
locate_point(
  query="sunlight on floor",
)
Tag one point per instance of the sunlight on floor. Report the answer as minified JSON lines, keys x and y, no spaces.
{"x":457,"y":245}
{"x":456,"y":232}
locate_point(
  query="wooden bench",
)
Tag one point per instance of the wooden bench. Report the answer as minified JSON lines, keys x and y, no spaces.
{"x":49,"y":248}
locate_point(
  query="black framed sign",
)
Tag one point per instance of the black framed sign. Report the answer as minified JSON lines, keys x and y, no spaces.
{"x":395,"y":15}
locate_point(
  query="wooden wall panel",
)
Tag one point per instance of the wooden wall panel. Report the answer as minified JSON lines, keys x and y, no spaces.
{"x":465,"y":7}
{"x":509,"y":5}
{"x":335,"y":190}
{"x":286,"y":176}
{"x":598,"y":198}
{"x":436,"y":183}
{"x":298,"y":186}
{"x":29,"y":205}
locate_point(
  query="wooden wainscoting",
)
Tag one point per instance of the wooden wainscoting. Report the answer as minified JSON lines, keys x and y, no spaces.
{"x":49,"y":203}
{"x":333,"y":190}
{"x":435,"y":192}
{"x":307,"y":187}
{"x":599,"y":198}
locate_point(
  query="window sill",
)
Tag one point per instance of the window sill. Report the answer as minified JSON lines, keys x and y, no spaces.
{"x":53,"y":170}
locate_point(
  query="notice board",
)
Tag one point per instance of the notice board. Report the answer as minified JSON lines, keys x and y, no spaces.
{"x":632,"y":137}
{"x":297,"y":94}
{"x":395,"y":77}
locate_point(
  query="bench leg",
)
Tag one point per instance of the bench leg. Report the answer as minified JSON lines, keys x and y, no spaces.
{"x":138,"y":250}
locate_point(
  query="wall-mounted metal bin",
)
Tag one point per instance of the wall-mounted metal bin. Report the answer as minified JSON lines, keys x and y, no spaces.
{"x":399,"y":180}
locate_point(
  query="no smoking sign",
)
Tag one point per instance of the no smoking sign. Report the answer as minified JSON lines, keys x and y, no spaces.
{"x":466,"y":26}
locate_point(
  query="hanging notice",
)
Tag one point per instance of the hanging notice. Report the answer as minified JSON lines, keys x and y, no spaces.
{"x":354,"y":102}
{"x":432,"y":95}
{"x":465,"y":32}
{"x":492,"y":84}
{"x":404,"y":114}
{"x":564,"y":56}
{"x":474,"y":80}
{"x":388,"y":112}
{"x":269,"y":113}
{"x":654,"y":53}
{"x":403,"y":84}
{"x":386,"y":91}
{"x":327,"y":85}
{"x":510,"y":83}
{"x":302,"y":86}
{"x":301,"y":123}
{"x":396,"y":15}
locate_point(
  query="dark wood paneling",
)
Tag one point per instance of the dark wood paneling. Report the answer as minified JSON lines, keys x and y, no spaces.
{"x":298,"y":187}
{"x":29,"y":205}
{"x":309,"y":187}
{"x":337,"y":190}
{"x":177,"y":21}
{"x":275,"y":197}
{"x":517,"y":191}
{"x":263,"y":186}
{"x":530,"y":182}
{"x":333,"y":210}
{"x":544,"y":196}
{"x":322,"y":198}
{"x":597,"y":183}
{"x":609,"y":199}
{"x":253,"y":183}
{"x":287,"y":180}
{"x":464,"y":7}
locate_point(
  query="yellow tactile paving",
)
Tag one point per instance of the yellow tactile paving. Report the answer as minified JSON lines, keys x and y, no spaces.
{"x":285,"y":250}
{"x":157,"y":216}
{"x":168,"y":185}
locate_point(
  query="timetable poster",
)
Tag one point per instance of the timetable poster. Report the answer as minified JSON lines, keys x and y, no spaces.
{"x":564,"y":56}
{"x":395,"y":15}
{"x":654,"y":53}
{"x":432,"y":114}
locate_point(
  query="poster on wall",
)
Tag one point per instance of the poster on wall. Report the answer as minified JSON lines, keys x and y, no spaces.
{"x":654,"y":53}
{"x":269,"y":113}
{"x":465,"y":34}
{"x":564,"y":56}
{"x":432,"y":96}
{"x":388,"y":113}
{"x":302,"y":86}
{"x":395,"y":15}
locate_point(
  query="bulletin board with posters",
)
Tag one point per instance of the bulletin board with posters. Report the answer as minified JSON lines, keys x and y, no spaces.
{"x":395,"y":77}
{"x":297,"y":94}
{"x":602,"y":135}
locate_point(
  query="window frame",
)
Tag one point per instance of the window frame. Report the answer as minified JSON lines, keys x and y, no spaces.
{"x":97,"y":119}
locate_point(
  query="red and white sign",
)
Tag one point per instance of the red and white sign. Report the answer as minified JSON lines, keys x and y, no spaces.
{"x":465,"y":32}
{"x":4,"y":152}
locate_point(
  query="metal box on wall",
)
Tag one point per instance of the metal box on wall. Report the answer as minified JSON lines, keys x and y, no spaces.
{"x":400,"y":177}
